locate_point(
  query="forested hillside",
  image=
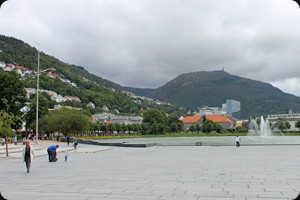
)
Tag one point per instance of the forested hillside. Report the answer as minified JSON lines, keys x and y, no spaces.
{"x":200,"y":89}
{"x":88,"y":87}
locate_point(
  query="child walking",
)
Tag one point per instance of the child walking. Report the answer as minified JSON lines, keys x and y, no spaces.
{"x":66,"y":156}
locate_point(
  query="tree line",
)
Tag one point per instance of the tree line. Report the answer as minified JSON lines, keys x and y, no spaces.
{"x":78,"y":122}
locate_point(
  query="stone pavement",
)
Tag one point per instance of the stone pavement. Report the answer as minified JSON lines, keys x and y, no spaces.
{"x":40,"y":148}
{"x":158,"y":173}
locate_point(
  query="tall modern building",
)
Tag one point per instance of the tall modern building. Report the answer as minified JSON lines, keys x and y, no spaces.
{"x":233,"y":108}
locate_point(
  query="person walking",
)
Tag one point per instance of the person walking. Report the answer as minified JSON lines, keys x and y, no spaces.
{"x":16,"y":140}
{"x":75,"y":143}
{"x":28,"y":155}
{"x":68,"y":140}
{"x":52,"y":154}
{"x":238,"y":141}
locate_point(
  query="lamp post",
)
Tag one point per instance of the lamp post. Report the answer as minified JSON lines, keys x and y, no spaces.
{"x":37,"y":96}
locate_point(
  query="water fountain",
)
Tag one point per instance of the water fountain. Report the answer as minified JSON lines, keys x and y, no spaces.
{"x":263,"y":129}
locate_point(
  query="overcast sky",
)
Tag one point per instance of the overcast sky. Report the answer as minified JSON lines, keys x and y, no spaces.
{"x":146,"y":43}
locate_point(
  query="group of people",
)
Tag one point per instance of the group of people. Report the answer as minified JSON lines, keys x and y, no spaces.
{"x":28,"y":153}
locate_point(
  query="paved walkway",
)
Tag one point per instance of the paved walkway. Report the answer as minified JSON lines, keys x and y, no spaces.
{"x":157,"y":173}
{"x":15,"y":151}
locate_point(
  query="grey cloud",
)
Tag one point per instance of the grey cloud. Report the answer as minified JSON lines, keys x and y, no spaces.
{"x":146,"y":43}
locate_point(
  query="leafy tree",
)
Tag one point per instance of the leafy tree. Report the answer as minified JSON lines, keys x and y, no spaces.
{"x":198,"y":128}
{"x":153,"y":116}
{"x":94,"y":126}
{"x":124,"y":128}
{"x":172,"y":118}
{"x":144,"y":128}
{"x":298,"y":124}
{"x":282,"y":125}
{"x":136,"y":127}
{"x":139,"y":127}
{"x":103,"y":127}
{"x":218,"y":128}
{"x":79,"y":123}
{"x":287,"y":125}
{"x":208,"y":126}
{"x":45,"y":126}
{"x":154,"y":128}
{"x":30,"y":116}
{"x":129,"y":128}
{"x":118,"y":127}
{"x":174,"y":127}
{"x":6,"y":122}
{"x":192,"y":128}
{"x":180,"y":126}
{"x":66,"y":121}
{"x":111,"y":128}
{"x":12,"y":93}
{"x":161,"y":128}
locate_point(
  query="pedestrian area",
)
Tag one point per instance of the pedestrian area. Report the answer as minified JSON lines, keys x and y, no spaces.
{"x":156,"y":173}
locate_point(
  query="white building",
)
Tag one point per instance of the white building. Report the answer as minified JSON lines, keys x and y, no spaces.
{"x":2,"y":64}
{"x":91,"y":104}
{"x":105,"y":108}
{"x":102,"y":117}
{"x":9,"y":67}
{"x":292,"y":118}
{"x":126,"y":119}
{"x":206,"y":110}
{"x":58,"y":98}
{"x":29,"y":91}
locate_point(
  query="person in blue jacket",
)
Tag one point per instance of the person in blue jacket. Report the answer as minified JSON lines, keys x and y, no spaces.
{"x":52,"y":153}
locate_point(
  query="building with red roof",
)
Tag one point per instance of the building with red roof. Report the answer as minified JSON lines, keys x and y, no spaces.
{"x":188,"y":121}
{"x":21,"y":68}
{"x":222,"y":120}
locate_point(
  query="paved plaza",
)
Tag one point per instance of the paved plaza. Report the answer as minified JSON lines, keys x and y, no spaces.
{"x":155,"y":173}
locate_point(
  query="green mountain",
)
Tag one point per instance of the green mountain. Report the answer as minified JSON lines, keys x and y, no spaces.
{"x":20,"y":53}
{"x":200,"y":89}
{"x":88,"y":87}
{"x":72,"y":80}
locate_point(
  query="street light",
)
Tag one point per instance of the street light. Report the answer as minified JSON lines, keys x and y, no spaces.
{"x":37,"y":96}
